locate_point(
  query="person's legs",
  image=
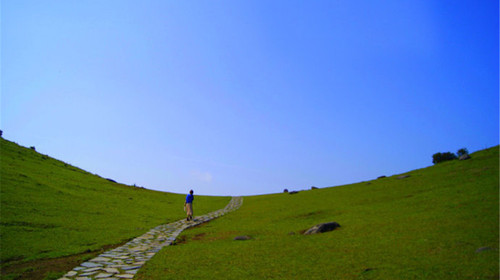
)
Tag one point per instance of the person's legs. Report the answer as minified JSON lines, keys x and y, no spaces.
{"x":191,"y":211}
{"x":189,"y":208}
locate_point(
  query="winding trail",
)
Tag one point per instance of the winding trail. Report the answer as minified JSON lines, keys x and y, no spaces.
{"x":124,"y":262}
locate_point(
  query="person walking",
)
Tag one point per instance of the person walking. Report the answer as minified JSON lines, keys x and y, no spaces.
{"x":188,"y":206}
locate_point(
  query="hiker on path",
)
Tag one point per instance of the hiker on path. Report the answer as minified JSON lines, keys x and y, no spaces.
{"x":188,"y":206}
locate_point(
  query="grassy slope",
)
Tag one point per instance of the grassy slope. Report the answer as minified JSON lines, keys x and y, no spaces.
{"x":51,"y":209}
{"x":427,"y":226}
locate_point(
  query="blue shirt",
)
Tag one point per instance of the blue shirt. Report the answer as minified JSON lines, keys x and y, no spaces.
{"x":189,"y":198}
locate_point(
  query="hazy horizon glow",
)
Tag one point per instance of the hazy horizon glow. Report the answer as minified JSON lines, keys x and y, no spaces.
{"x":249,"y":97}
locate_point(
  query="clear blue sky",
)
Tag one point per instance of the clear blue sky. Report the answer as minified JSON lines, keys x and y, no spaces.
{"x":249,"y":97}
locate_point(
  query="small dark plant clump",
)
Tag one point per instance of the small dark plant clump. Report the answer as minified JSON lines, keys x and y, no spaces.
{"x":442,"y":157}
{"x":111,"y":180}
{"x":462,"y":152}
{"x":33,"y":148}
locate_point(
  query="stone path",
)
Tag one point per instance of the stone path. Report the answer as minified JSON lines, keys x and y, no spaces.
{"x":124,"y":262}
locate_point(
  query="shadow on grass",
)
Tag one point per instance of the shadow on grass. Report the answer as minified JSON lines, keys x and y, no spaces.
{"x":45,"y":269}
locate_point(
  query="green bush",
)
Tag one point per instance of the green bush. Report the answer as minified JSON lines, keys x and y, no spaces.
{"x":442,"y":157}
{"x":462,"y":152}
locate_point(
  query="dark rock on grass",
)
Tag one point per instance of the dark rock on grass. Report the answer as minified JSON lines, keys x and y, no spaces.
{"x":314,"y":188}
{"x":320,"y":228}
{"x":293,"y":192}
{"x":482,"y":249}
{"x":403,"y":176}
{"x":464,"y":157}
{"x":111,"y":180}
{"x":243,"y":237}
{"x":381,"y":177}
{"x":285,"y":190}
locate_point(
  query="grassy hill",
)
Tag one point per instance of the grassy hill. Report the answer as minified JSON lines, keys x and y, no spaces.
{"x":442,"y":222}
{"x":50,"y":209}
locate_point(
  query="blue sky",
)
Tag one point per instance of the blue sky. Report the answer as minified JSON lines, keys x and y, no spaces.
{"x":249,"y":97}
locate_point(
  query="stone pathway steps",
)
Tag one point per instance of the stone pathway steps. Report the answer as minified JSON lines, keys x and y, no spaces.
{"x":124,"y":262}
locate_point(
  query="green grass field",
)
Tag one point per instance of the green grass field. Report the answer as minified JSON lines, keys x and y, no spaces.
{"x":50,"y":209}
{"x":427,"y":226}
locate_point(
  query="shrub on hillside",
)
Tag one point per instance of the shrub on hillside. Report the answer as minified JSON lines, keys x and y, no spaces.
{"x":442,"y":157}
{"x":462,"y":152}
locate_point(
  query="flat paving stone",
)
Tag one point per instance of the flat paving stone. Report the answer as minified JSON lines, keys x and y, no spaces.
{"x":78,"y":268}
{"x":111,"y":270}
{"x":131,"y":267}
{"x":71,"y":274}
{"x":103,"y":275}
{"x":100,"y":259}
{"x":125,"y":276}
{"x":90,"y":264}
{"x":92,"y":269}
{"x":88,"y":273}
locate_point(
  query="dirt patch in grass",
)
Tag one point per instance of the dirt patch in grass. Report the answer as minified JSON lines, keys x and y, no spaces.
{"x":199,"y":236}
{"x":309,"y":214}
{"x":39,"y":269}
{"x":180,"y":240}
{"x":225,"y":235}
{"x":206,"y":237}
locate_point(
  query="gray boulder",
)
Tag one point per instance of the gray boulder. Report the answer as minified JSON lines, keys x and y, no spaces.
{"x":464,"y":157}
{"x":320,"y":228}
{"x":403,"y":176}
{"x":482,"y":249}
{"x":243,"y":237}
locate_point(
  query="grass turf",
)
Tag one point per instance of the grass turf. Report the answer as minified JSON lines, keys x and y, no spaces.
{"x":51,"y":209}
{"x":427,"y":226}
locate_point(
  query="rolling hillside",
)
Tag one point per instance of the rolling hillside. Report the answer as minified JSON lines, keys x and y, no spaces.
{"x":441,"y":222}
{"x":50,"y":209}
